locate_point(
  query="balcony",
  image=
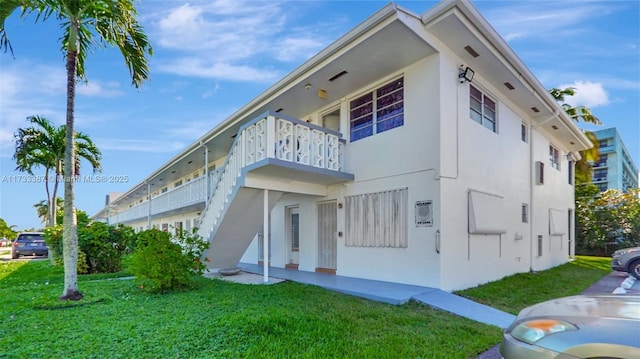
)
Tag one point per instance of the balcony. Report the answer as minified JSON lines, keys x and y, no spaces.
{"x":269,"y":152}
{"x":189,"y":195}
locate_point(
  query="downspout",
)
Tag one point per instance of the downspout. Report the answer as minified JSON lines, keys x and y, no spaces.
{"x":531,"y":186}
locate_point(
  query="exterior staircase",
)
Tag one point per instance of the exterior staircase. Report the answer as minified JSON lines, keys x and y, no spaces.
{"x":271,"y":153}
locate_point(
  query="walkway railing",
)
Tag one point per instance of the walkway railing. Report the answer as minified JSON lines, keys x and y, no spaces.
{"x":288,"y":139}
{"x":187,"y":194}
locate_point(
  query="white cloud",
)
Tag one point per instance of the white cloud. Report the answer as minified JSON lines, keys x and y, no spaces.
{"x":519,"y":20}
{"x":201,"y":67}
{"x":98,"y":89}
{"x":590,"y":94}
{"x":231,"y":40}
{"x":28,"y":90}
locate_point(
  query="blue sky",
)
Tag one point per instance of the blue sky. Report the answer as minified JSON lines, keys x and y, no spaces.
{"x":212,"y":57}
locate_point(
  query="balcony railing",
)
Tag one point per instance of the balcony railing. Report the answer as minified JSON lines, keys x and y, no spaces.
{"x":192,"y":192}
{"x":271,"y":136}
{"x":288,"y":139}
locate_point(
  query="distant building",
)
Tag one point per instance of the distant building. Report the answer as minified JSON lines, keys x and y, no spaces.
{"x":615,"y":169}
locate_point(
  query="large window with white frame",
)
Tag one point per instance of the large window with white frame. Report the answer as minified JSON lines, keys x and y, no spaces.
{"x":554,"y":157}
{"x":377,"y":219}
{"x":377,"y":111}
{"x":482,"y":109}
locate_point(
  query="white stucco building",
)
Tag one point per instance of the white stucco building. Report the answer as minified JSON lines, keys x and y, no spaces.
{"x":377,"y":159}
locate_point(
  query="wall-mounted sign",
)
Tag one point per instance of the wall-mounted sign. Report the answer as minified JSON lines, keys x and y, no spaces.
{"x":424,"y":214}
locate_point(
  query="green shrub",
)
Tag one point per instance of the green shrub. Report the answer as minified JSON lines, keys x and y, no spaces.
{"x":53,"y":238}
{"x":101,"y":247}
{"x":83,"y":268}
{"x":105,"y":246}
{"x":162,"y":263}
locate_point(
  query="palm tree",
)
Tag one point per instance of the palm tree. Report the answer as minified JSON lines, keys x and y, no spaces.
{"x":42,"y":209}
{"x":85,"y":24}
{"x":584,"y":114}
{"x":44,"y":146}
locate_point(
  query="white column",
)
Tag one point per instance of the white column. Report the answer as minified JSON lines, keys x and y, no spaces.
{"x":265,"y":237}
{"x":148,"y":205}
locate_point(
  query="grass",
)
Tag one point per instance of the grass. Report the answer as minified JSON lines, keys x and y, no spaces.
{"x":220,"y":319}
{"x":513,"y":293}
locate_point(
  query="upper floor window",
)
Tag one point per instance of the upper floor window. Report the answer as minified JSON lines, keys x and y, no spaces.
{"x":554,"y":157}
{"x":377,"y":111}
{"x":602,"y":161}
{"x":603,"y":143}
{"x":483,"y":109}
{"x":600,"y":174}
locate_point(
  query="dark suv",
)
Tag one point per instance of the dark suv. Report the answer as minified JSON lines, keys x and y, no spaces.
{"x":627,"y":260}
{"x":29,"y":244}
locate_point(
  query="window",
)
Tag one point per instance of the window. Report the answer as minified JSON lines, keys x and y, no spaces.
{"x":483,"y":109}
{"x":554,"y":157}
{"x":602,"y":161}
{"x":603,"y":143}
{"x":377,"y":111}
{"x":377,"y":219}
{"x":523,"y":132}
{"x":600,"y":174}
{"x":525,"y":213}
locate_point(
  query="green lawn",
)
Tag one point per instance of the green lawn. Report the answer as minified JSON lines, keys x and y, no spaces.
{"x":513,"y":293}
{"x":227,"y":320}
{"x":219,"y":319}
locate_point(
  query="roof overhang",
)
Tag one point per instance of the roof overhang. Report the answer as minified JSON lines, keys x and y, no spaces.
{"x":368,"y":52}
{"x":460,"y":25}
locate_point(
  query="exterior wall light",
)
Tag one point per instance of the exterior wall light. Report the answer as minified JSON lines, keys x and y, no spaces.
{"x":466,"y":74}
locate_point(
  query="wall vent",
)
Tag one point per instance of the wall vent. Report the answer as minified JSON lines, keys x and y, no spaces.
{"x":338,"y":75}
{"x":471,"y":51}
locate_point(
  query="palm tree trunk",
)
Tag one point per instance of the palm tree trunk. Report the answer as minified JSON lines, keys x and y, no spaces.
{"x":70,"y":230}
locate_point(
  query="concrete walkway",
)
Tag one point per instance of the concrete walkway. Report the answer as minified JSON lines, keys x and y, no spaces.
{"x":392,"y":293}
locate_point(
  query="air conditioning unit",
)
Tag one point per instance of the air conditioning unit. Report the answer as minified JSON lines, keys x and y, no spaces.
{"x":539,"y":172}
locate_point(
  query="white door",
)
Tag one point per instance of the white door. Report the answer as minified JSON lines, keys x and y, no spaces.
{"x":327,"y":236}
